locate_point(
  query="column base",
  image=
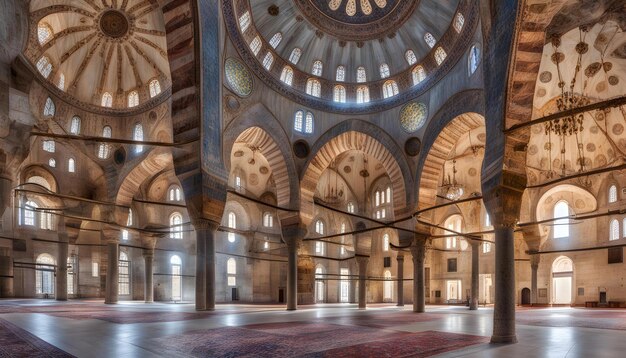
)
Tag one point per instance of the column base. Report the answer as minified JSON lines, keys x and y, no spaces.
{"x":400,"y":305}
{"x":504,"y":339}
{"x":110,"y":303}
{"x":292,"y":309}
{"x":60,"y":299}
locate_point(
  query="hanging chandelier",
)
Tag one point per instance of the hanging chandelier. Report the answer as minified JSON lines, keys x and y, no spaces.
{"x":450,"y":188}
{"x":333,"y":192}
{"x":568,"y":125}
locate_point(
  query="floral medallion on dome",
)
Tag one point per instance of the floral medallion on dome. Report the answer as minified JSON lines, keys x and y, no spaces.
{"x":238,"y":77}
{"x":413,"y":116}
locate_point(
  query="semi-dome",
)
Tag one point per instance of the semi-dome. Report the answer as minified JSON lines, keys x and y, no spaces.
{"x":104,"y":57}
{"x":351,"y":55}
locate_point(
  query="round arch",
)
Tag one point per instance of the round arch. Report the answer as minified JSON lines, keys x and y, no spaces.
{"x":356,"y":135}
{"x":257,"y":127}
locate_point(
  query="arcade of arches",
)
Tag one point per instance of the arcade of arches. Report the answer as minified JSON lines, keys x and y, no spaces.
{"x":387,"y":165}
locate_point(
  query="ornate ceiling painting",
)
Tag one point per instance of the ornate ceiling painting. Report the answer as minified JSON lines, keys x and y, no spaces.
{"x":95,"y":50}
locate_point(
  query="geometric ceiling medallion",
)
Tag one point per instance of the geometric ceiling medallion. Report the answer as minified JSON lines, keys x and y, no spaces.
{"x":238,"y":77}
{"x":114,"y":24}
{"x":413,"y":116}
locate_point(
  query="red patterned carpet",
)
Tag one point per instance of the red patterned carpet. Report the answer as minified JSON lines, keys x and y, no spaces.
{"x":312,"y":339}
{"x":16,"y":342}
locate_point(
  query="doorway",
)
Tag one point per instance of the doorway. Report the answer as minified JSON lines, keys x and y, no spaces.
{"x":484,"y":290}
{"x":562,"y":275}
{"x":344,"y":294}
{"x":525,"y":296}
{"x":454,"y":291}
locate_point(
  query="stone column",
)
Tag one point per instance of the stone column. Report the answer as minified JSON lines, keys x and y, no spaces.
{"x":111,"y":235}
{"x":61,"y":272}
{"x":148,"y":259}
{"x":292,"y":274}
{"x":362,"y":262}
{"x":473,"y":303}
{"x":6,"y":273}
{"x":534,"y":266}
{"x":206,"y":232}
{"x":112,"y":279}
{"x":400,"y":285}
{"x":418,"y":250}
{"x":200,"y":271}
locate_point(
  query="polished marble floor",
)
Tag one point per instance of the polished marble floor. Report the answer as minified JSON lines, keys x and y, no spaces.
{"x":132,"y":329}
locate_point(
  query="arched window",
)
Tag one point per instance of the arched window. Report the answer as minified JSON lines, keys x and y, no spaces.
{"x":231,"y":271}
{"x":459,"y":20}
{"x":71,"y":165}
{"x":410,"y":57}
{"x":275,"y":40}
{"x":49,"y":108}
{"x":124,"y":274}
{"x":319,"y":227}
{"x":129,"y":220}
{"x":362,"y":94}
{"x":388,"y":287}
{"x":287,"y":75}
{"x":561,"y":226}
{"x":360,"y":74}
{"x":124,"y":234}
{"x":133,"y":99}
{"x":430,"y":39}
{"x":453,"y":226}
{"x":71,"y":269}
{"x":232,"y":223}
{"x":298,"y":121}
{"x":386,"y":242}
{"x":255,"y":45}
{"x":473,"y":59}
{"x":487,"y":220}
{"x":388,"y":191}
{"x":177,"y":283}
{"x":44,"y":32}
{"x":440,"y":55}
{"x":155,"y":88}
{"x":339,"y":94}
{"x":52,"y":163}
{"x":320,"y":293}
{"x":313,"y":87}
{"x":138,"y":136}
{"x":351,"y":207}
{"x":44,"y":275}
{"x":390,"y":89}
{"x":318,"y":68}
{"x":29,"y":213}
{"x":268,"y":60}
{"x":174,"y":193}
{"x":176,"y":228}
{"x":61,"y":83}
{"x":268,"y":220}
{"x":44,"y":66}
{"x":419,"y":74}
{"x":614,"y":234}
{"x":612,"y":194}
{"x":49,"y":146}
{"x":624,"y":227}
{"x":486,"y":247}
{"x":308,"y":123}
{"x":244,"y":21}
{"x":295,"y":55}
{"x":75,"y":125}
{"x":384,"y":70}
{"x":107,"y":100}
{"x":103,"y":148}
{"x":341,"y":73}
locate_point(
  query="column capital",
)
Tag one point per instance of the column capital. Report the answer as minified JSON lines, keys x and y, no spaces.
{"x":202,"y":224}
{"x":418,"y":248}
{"x":111,"y":234}
{"x":503,"y":199}
{"x":361,"y":259}
{"x":400,"y":257}
{"x":534,"y":261}
{"x":148,"y":253}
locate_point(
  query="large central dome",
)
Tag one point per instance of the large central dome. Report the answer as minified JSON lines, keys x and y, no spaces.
{"x":357,"y":20}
